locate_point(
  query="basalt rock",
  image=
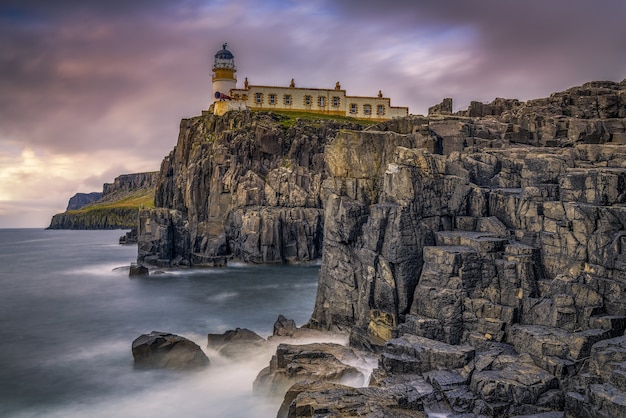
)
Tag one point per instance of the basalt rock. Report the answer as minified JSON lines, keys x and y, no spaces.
{"x":483,"y":252}
{"x":319,"y":362}
{"x":334,"y":400}
{"x":237,"y":343}
{"x":245,"y":185}
{"x":509,"y":232}
{"x":169,"y":351}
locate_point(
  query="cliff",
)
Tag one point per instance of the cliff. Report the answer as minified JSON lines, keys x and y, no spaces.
{"x":246,"y":185}
{"x":115,"y":208}
{"x":80,"y":200}
{"x":481,"y":254}
{"x":508,"y":247}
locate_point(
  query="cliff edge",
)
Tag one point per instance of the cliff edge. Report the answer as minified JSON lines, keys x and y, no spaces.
{"x":246,"y":185}
{"x":115,"y":208}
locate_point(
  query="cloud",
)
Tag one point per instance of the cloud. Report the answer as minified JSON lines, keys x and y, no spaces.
{"x":105,"y":84}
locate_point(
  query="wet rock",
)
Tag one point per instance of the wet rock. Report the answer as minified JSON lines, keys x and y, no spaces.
{"x":237,"y":343}
{"x":138,"y":270}
{"x":328,"y":399}
{"x":319,"y":362}
{"x":284,"y":327}
{"x":169,"y":351}
{"x":413,"y":354}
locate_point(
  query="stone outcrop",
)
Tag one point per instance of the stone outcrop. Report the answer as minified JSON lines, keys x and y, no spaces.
{"x":481,"y":254}
{"x":108,"y":210}
{"x":336,"y":400}
{"x":316,"y":362}
{"x":169,"y":351}
{"x":246,"y":185}
{"x":500,"y":236}
{"x":237,"y":343}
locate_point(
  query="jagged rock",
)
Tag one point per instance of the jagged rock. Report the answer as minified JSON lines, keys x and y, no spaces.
{"x":449,"y":242}
{"x":138,"y":270}
{"x":413,"y":354}
{"x":170,"y":351}
{"x":328,"y":399}
{"x":163,"y":238}
{"x":319,"y":362}
{"x":284,"y":327}
{"x":246,"y":186}
{"x":237,"y":343}
{"x":130,"y":237}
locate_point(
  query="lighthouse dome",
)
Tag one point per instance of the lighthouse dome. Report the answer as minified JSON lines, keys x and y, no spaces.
{"x":224,"y":59}
{"x":224,"y":53}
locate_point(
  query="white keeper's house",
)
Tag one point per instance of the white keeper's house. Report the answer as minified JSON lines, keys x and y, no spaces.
{"x":333,"y":101}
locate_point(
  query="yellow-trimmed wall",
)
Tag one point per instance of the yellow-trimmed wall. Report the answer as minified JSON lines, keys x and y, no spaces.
{"x":298,"y":101}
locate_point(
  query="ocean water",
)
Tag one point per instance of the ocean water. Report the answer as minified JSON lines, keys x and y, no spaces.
{"x":69,"y":313}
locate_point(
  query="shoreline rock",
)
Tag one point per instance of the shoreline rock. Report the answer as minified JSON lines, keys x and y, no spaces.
{"x":168,"y":351}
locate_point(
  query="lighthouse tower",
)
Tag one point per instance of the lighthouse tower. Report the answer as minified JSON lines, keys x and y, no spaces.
{"x":224,"y":73}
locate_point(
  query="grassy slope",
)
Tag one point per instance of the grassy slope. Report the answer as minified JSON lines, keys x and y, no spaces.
{"x":143,"y":198}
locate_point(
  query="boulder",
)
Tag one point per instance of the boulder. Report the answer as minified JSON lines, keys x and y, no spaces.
{"x":236,"y":343}
{"x":319,"y":362}
{"x":168,"y":351}
{"x":138,"y":270}
{"x":284,"y":327}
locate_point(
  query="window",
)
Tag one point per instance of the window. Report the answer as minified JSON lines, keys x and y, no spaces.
{"x":287,"y":99}
{"x":321,"y":101}
{"x":336,"y":101}
{"x":380,"y":110}
{"x":258,"y":98}
{"x":272,"y":98}
{"x":307,"y":100}
{"x":354,"y":108}
{"x":367,"y":109}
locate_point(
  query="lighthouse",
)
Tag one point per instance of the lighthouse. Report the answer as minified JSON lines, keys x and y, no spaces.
{"x":223,"y":73}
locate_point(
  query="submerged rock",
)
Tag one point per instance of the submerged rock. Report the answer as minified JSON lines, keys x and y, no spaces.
{"x":168,"y":351}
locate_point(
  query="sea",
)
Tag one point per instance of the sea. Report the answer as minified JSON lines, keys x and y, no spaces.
{"x":69,"y":313}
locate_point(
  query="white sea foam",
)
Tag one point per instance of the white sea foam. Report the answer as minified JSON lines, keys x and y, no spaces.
{"x":222,"y":296}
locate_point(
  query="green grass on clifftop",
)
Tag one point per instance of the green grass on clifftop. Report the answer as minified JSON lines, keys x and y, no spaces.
{"x":293,"y":116}
{"x":141,"y":199}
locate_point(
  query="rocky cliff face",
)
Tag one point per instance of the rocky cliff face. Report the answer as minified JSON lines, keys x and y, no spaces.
{"x":80,"y":200}
{"x":500,"y":238}
{"x":119,"y":218}
{"x":245,"y":185}
{"x":115,"y":208}
{"x":127,"y":184}
{"x":482,"y":254}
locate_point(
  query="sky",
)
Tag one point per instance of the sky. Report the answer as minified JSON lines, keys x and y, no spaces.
{"x":93,"y":89}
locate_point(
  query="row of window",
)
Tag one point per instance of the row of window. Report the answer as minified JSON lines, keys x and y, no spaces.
{"x":308,"y":101}
{"x":288,"y":100}
{"x":367,"y":109}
